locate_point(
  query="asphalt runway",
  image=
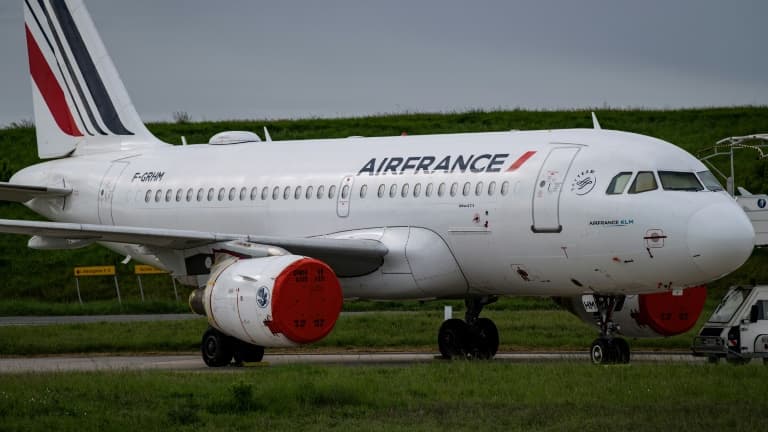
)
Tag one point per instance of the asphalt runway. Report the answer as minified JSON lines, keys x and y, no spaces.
{"x":195,"y":363}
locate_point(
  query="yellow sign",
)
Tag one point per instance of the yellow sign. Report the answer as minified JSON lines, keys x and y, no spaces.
{"x":95,"y":271}
{"x":141,"y":269}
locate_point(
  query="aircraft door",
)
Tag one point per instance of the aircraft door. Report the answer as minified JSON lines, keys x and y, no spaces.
{"x":548,"y":187}
{"x":345,"y":194}
{"x":106,"y":191}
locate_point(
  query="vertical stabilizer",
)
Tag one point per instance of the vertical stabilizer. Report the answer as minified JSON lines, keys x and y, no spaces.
{"x":80,"y":103}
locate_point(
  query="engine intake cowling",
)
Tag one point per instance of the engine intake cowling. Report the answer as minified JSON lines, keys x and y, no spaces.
{"x":273,"y":301}
{"x":646,"y":315}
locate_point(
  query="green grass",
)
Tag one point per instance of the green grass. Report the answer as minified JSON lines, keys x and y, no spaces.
{"x":392,"y":331}
{"x":691,"y":129}
{"x":436,"y":396}
{"x":102,"y":307}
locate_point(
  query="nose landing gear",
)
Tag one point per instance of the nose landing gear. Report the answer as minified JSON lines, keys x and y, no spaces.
{"x":472,"y":338}
{"x":607,"y":349}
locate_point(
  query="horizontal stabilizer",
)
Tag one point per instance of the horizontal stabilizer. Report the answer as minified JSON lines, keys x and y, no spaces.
{"x":24,"y":193}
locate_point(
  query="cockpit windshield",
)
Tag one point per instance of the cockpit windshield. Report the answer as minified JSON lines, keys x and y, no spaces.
{"x":729,"y":305}
{"x":710,"y":181}
{"x":680,"y":181}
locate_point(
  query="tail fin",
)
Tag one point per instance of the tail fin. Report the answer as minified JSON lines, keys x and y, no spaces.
{"x":80,"y":103}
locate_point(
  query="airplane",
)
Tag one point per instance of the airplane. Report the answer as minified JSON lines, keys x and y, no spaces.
{"x":621,"y":228}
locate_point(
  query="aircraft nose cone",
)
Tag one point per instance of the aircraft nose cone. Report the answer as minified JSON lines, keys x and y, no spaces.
{"x":720,"y":239}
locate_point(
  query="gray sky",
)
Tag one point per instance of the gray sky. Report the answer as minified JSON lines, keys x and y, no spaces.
{"x":277,"y":59}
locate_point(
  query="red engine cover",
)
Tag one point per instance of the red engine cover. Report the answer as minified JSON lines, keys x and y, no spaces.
{"x":670,"y":315}
{"x":306,"y":301}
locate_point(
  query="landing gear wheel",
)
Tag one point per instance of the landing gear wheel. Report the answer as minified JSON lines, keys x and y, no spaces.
{"x":216,"y":348}
{"x":486,"y":338}
{"x":599,"y":352}
{"x":622,"y":348}
{"x":247,"y":353}
{"x":452,"y":338}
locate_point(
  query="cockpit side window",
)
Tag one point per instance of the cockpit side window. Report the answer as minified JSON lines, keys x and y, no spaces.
{"x":710,"y":181}
{"x":619,"y":183}
{"x":680,"y":181}
{"x":644,"y":182}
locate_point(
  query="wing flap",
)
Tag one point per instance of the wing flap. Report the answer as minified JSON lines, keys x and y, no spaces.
{"x":23,"y":193}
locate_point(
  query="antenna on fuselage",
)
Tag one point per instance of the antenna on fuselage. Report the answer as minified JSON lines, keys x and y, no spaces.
{"x":595,"y":123}
{"x":267,"y":137}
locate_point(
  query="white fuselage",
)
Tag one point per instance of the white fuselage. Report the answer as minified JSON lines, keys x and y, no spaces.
{"x":522,"y":213}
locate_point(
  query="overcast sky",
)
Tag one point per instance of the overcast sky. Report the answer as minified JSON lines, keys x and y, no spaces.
{"x":277,"y":59}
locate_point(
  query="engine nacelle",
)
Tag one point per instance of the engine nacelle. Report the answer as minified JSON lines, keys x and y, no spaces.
{"x":646,"y":315}
{"x":276,"y":301}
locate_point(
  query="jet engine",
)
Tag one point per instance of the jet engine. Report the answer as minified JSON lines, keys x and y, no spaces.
{"x":275,"y":301}
{"x":645,"y":315}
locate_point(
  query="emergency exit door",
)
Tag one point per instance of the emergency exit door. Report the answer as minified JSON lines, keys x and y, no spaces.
{"x":548,"y":188}
{"x":106,"y":192}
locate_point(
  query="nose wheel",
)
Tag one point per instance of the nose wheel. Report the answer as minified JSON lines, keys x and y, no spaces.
{"x":607,"y":349}
{"x":471,"y":338}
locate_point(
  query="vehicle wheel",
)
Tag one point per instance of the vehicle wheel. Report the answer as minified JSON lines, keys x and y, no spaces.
{"x":622,"y":350}
{"x":600,"y":352}
{"x":216,"y":348}
{"x":247,"y":353}
{"x":486,"y":338}
{"x":452,"y":339}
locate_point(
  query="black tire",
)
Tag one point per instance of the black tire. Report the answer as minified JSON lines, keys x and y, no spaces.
{"x":452,"y":339}
{"x":247,"y":353}
{"x":216,"y":348}
{"x":600,"y":353}
{"x":486,"y":339}
{"x":623,"y":351}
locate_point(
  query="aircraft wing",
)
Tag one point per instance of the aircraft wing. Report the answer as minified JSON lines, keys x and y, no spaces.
{"x":361,"y":250}
{"x":23,"y":193}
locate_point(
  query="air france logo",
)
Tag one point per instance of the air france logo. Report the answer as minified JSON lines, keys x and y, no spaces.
{"x":584,"y":182}
{"x":262,"y":297}
{"x":428,"y":164}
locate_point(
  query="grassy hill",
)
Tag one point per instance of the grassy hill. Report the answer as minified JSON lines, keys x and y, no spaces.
{"x":29,"y":274}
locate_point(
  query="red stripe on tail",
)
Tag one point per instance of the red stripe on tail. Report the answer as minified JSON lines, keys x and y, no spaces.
{"x":521,"y":160}
{"x":50,"y":89}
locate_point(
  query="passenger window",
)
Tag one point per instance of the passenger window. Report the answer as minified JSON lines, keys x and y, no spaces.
{"x":286,"y":192}
{"x":479,"y":188}
{"x":392,"y":191}
{"x":254,"y":193}
{"x":618,"y":183}
{"x":232,"y":193}
{"x":332,"y":192}
{"x":309,"y":192}
{"x":345,"y":192}
{"x":190,"y":192}
{"x":466,"y":188}
{"x":644,"y":182}
{"x":363,"y":191}
{"x":222,"y":192}
{"x":505,"y":188}
{"x":275,"y":192}
{"x":441,"y":189}
{"x":680,"y":181}
{"x":404,"y":192}
{"x":297,"y":193}
{"x":381,"y":190}
{"x":264,"y":192}
{"x":158,"y":195}
{"x":168,"y":194}
{"x":416,"y":190}
{"x":179,"y":192}
{"x":200,"y":193}
{"x":454,"y":188}
{"x":148,"y":196}
{"x":491,"y":188}
{"x":243,"y":192}
{"x":320,"y":191}
{"x":210,"y":194}
{"x":710,"y":181}
{"x":430,"y":188}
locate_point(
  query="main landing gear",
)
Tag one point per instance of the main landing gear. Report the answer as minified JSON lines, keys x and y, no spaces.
{"x":220,"y":350}
{"x":472,"y":338}
{"x":607,"y":349}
